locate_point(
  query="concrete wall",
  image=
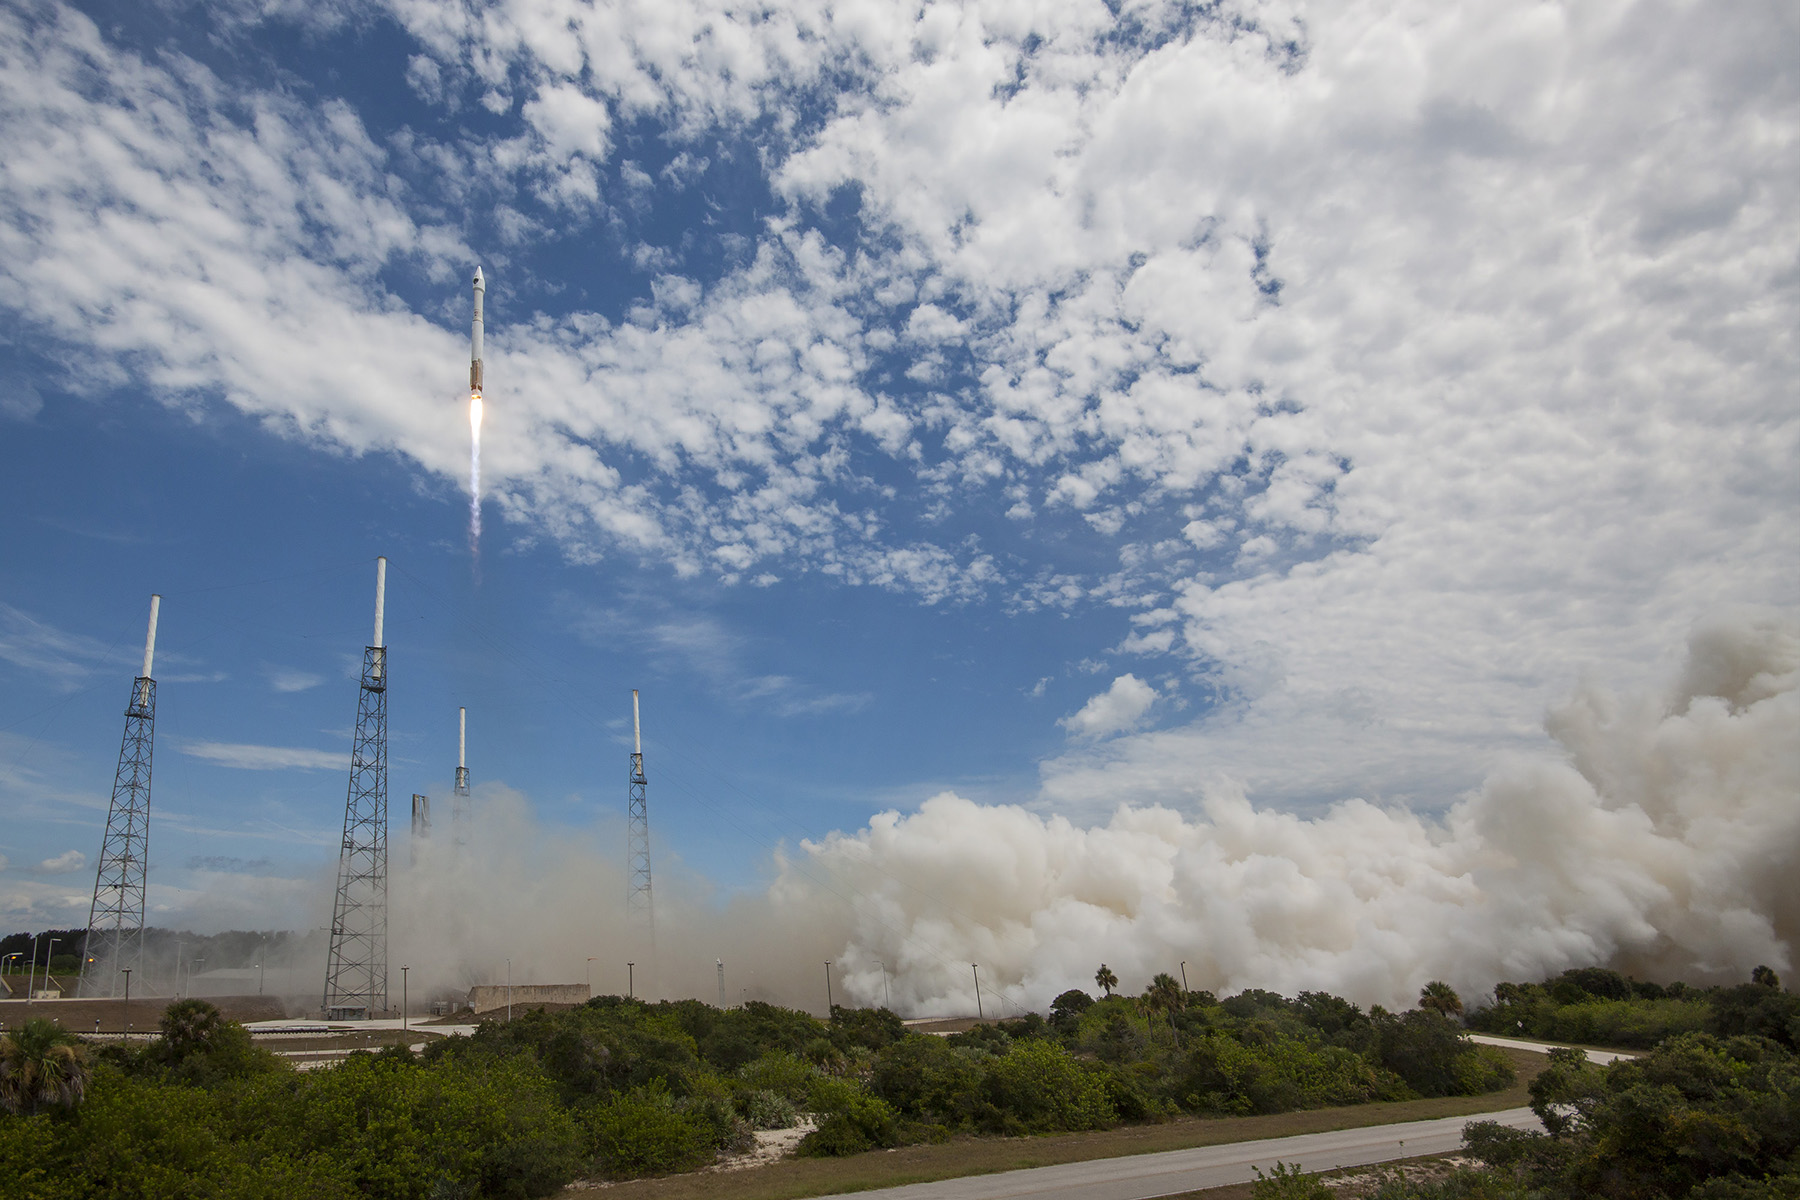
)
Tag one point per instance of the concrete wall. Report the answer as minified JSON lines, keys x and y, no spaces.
{"x":488,"y":997}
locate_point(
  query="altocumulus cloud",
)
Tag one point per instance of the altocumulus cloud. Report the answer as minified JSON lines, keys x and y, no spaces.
{"x":1392,"y":354}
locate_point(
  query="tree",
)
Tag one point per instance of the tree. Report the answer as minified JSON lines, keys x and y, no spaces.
{"x":1442,"y":997}
{"x":41,"y":1065}
{"x":1105,"y":980}
{"x":1766,"y":977}
{"x":189,"y":1027}
{"x":1164,"y":995}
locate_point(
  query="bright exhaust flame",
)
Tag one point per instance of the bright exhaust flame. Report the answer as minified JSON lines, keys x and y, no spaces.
{"x":475,"y":472}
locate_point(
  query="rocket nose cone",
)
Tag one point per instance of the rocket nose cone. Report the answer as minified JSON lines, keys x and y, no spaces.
{"x":479,"y":281}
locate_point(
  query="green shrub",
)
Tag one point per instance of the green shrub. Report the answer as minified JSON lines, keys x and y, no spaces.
{"x":857,"y":1122}
{"x":643,"y":1133}
{"x":767,"y":1110}
{"x":1482,"y":1069}
{"x":782,"y":1073}
{"x":1043,"y":1087}
{"x":1288,"y":1182}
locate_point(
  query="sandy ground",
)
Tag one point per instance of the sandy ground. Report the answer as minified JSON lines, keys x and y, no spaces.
{"x":771,"y":1146}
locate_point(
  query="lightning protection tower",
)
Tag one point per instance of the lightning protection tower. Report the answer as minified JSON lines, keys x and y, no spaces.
{"x":356,"y":966}
{"x":115,"y":939}
{"x":637,"y":905}
{"x":459,"y":799}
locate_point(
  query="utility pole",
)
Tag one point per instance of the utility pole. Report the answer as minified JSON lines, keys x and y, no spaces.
{"x":828,"y":1004}
{"x":721,"y":963}
{"x":116,"y":916}
{"x":356,"y":967}
{"x":977,"y":973}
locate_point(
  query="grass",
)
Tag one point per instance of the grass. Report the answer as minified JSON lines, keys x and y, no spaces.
{"x":794,"y":1178}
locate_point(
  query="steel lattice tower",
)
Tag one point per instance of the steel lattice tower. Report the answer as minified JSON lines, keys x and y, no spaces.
{"x":115,"y":937}
{"x":638,"y":907}
{"x":356,"y":967}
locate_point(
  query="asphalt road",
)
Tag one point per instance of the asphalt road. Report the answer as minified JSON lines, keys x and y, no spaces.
{"x":1141,"y":1176}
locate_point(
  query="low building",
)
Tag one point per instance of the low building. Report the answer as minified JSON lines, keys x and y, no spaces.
{"x":488,"y":997}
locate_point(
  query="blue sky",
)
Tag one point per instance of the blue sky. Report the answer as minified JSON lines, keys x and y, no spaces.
{"x":1062,"y":405}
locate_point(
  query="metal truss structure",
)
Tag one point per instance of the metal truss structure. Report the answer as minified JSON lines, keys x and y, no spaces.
{"x":115,"y":938}
{"x":638,"y":906}
{"x":356,"y":969}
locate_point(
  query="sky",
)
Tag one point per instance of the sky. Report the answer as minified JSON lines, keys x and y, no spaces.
{"x":1058,"y":404}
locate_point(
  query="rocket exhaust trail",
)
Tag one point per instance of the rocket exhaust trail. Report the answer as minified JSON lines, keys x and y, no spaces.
{"x":475,"y":423}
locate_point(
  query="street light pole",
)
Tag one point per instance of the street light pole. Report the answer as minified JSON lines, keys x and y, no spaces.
{"x":590,"y":977}
{"x":198,"y":962}
{"x":403,"y":1006}
{"x":3,"y":961}
{"x":886,"y":1000}
{"x":630,"y":981}
{"x":976,"y":971}
{"x":126,"y":971}
{"x":1184,"y":986}
{"x":262,"y":965}
{"x":828,"y":1005}
{"x":509,"y":991}
{"x":29,"y":979}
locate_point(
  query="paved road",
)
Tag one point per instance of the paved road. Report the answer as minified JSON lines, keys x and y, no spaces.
{"x":1594,"y":1056}
{"x":1141,"y":1176}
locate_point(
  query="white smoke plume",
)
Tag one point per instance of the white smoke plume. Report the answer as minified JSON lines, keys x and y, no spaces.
{"x":547,"y":901}
{"x":1664,"y":843}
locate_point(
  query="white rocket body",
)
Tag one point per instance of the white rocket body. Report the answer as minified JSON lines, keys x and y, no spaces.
{"x":475,"y":335}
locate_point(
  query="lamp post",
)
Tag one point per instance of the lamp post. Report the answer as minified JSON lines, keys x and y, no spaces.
{"x":976,"y":971}
{"x":509,"y":991}
{"x":198,"y":962}
{"x":630,"y":981}
{"x":828,"y":1004}
{"x":590,"y":976}
{"x":126,"y":971}
{"x":31,"y":978}
{"x":1184,"y":986}
{"x":262,"y":964}
{"x":403,"y":1007}
{"x":3,"y":961}
{"x":179,"y":947}
{"x":886,"y":1000}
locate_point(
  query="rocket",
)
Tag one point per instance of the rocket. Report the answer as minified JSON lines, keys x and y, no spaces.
{"x":475,"y":336}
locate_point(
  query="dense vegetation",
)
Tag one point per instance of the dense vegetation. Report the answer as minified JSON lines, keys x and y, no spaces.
{"x":625,"y":1088}
{"x":1710,"y":1112}
{"x":1596,"y":1006}
{"x":1696,"y":1118}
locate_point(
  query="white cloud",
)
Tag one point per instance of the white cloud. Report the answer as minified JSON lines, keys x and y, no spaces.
{"x":1118,"y":708}
{"x":1452,"y":337}
{"x":285,"y":679}
{"x":266,"y":758}
{"x":62,"y":864}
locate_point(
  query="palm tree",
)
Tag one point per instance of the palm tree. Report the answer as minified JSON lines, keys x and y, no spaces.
{"x":41,"y":1064}
{"x":1164,"y":995}
{"x":1441,"y":996}
{"x":1105,"y":980}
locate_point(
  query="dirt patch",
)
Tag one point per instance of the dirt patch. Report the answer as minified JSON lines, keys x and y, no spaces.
{"x":772,"y":1145}
{"x":143,"y":1016}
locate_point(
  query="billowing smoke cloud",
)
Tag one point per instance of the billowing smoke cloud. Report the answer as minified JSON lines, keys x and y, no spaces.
{"x":1664,"y":842}
{"x":546,"y":901}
